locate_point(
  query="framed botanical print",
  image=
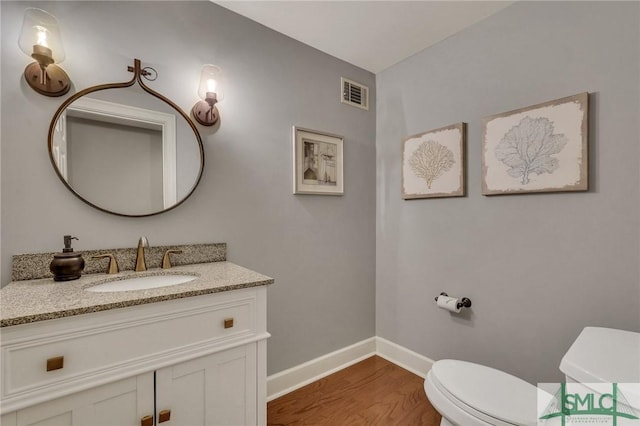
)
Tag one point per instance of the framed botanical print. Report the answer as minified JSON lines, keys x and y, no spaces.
{"x":541,"y":148}
{"x":433,"y":163}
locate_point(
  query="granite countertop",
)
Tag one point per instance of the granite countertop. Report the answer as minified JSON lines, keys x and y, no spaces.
{"x":39,"y":300}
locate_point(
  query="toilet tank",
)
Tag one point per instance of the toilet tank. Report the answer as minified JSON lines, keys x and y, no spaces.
{"x":603,"y":355}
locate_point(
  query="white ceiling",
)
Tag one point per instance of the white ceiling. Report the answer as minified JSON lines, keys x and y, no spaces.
{"x":370,"y":34}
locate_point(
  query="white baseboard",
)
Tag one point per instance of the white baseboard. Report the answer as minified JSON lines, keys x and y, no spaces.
{"x":293,"y":378}
{"x":286,"y":381}
{"x":403,"y":357}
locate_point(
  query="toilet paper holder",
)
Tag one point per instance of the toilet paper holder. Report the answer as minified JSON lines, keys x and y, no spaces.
{"x":464,"y":302}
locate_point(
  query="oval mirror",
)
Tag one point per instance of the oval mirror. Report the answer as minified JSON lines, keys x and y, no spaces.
{"x":126,"y":149}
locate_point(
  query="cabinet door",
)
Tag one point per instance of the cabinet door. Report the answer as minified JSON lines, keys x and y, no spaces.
{"x":121,"y":403}
{"x":8,"y":419}
{"x":217,"y":389}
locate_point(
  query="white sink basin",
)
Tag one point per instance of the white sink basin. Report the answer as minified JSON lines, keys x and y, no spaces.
{"x":142,"y":283}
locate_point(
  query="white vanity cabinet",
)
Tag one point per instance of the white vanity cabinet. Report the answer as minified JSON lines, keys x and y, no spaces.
{"x":124,"y":402}
{"x":198,"y":360}
{"x":214,"y":390}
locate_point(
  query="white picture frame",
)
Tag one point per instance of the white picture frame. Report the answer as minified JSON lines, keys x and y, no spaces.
{"x":317,"y":162}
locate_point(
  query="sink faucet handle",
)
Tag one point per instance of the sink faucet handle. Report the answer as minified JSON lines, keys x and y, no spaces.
{"x":113,"y":263}
{"x":166,"y":260}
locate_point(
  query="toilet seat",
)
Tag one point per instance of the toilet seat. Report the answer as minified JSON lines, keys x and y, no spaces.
{"x":454,"y":412}
{"x":481,"y":393}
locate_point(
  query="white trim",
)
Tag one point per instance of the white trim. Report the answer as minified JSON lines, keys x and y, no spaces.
{"x":296,"y":377}
{"x":111,"y":112}
{"x":403,"y":357}
{"x":286,"y":381}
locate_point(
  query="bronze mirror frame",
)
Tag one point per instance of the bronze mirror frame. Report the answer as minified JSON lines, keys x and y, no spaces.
{"x":137,"y":78}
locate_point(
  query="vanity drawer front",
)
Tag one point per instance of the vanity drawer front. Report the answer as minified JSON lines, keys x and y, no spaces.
{"x":121,"y":345}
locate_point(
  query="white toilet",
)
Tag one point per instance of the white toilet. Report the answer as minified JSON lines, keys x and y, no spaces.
{"x":469,"y":394}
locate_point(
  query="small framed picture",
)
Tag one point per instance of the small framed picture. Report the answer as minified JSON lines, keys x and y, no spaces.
{"x":317,"y":162}
{"x":540,"y":148}
{"x":433,"y":163}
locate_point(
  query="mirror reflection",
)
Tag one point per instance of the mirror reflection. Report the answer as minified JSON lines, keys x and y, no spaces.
{"x":126,"y":152}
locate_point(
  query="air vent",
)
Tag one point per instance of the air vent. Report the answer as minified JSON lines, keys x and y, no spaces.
{"x":354,"y":94}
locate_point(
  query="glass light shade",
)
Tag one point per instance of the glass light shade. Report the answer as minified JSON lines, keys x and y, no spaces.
{"x":41,"y":32}
{"x":210,"y":81}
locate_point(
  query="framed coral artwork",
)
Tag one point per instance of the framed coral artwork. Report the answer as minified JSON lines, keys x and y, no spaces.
{"x":433,"y":163}
{"x":541,"y":148}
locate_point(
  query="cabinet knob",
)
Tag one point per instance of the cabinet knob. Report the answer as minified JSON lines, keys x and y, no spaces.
{"x":164,"y":416}
{"x":228,"y":322}
{"x":55,"y":363}
{"x":146,"y":421}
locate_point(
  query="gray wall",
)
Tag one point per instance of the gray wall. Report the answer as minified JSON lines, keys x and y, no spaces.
{"x":320,"y":250}
{"x":538,"y":268}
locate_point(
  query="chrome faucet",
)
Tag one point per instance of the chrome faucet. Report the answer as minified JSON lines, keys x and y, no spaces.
{"x":141,"y":265}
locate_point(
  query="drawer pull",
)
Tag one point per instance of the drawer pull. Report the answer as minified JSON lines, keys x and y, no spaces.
{"x":164,"y":416}
{"x":55,"y":363}
{"x":146,"y":421}
{"x":228,"y":322}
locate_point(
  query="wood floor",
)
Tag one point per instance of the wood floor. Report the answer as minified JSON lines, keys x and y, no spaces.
{"x":371,"y":392}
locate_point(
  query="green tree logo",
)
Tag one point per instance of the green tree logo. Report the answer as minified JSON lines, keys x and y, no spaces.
{"x":565,"y":405}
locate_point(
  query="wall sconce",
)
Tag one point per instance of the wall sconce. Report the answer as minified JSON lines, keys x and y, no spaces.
{"x":205,"y":111}
{"x":40,"y":39}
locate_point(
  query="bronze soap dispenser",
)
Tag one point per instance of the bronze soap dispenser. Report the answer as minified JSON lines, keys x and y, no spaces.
{"x":67,"y":266}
